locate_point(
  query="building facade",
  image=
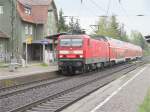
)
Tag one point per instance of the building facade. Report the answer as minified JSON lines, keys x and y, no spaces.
{"x":3,"y":47}
{"x":23,"y":19}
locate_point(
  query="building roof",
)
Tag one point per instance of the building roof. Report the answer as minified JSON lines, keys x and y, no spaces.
{"x":35,"y":2}
{"x":3,"y":35}
{"x":55,"y":36}
{"x":39,"y":10}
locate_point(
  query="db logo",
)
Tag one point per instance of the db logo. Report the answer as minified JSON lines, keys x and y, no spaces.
{"x":71,"y":52}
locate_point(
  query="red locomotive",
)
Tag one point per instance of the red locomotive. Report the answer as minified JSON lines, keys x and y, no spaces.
{"x":80,"y":53}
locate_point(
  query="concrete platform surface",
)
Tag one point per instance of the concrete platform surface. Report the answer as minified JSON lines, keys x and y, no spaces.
{"x":123,"y":95}
{"x":30,"y":70}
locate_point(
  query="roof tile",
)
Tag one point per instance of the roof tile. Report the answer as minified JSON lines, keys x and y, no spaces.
{"x":39,"y":10}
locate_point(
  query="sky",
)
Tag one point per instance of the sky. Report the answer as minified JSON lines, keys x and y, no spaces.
{"x":126,"y":12}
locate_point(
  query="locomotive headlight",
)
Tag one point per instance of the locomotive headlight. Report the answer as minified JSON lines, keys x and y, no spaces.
{"x":78,"y":52}
{"x":81,"y":56}
{"x":60,"y":56}
{"x":63,"y":52}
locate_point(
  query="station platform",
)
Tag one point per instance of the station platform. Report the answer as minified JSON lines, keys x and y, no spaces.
{"x":26,"y":71}
{"x":125,"y":94}
{"x":32,"y":72}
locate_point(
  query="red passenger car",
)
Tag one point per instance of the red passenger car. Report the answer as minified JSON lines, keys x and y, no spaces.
{"x":122,"y":51}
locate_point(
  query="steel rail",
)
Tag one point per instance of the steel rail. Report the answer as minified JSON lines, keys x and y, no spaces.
{"x":6,"y":92}
{"x":55,"y":96}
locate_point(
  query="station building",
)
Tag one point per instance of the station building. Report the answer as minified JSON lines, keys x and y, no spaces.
{"x":31,"y":19}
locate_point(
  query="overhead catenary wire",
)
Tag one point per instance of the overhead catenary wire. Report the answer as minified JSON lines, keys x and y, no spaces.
{"x":108,"y":7}
{"x":91,"y":10}
{"x":106,"y":11}
{"x":98,"y":6}
{"x":109,"y":12}
{"x":127,"y":15}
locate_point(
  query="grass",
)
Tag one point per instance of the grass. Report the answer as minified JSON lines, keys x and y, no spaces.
{"x":44,"y":65}
{"x":145,"y":106}
{"x":146,"y":52}
{"x":3,"y":65}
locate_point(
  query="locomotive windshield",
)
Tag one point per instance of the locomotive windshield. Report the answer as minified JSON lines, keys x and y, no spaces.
{"x":71,"y":42}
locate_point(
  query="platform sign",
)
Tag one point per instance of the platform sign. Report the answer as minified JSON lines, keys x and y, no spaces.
{"x":29,"y":40}
{"x":45,"y":41}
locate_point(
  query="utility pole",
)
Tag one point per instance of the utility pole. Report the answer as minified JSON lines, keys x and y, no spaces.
{"x":13,"y":60}
{"x":12,"y":28}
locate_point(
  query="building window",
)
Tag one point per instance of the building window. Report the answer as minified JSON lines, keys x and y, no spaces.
{"x":1,"y":9}
{"x":2,"y":51}
{"x":26,"y":30}
{"x":31,"y":30}
{"x":27,"y":11}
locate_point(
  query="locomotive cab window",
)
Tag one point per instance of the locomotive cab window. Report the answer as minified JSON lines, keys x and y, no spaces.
{"x":71,"y":42}
{"x":76,"y":42}
{"x":65,"y":42}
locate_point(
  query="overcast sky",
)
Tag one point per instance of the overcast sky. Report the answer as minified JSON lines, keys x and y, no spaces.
{"x":126,"y":11}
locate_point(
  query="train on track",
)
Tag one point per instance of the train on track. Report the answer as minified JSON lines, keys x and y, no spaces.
{"x":82,"y":53}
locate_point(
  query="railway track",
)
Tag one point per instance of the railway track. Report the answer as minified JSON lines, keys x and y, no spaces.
{"x":60,"y":94}
{"x":7,"y":91}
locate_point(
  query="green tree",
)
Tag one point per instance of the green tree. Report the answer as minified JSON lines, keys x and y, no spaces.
{"x":113,"y":28}
{"x":123,"y":34}
{"x":74,"y":27}
{"x":138,"y":39}
{"x":102,"y":27}
{"x":109,"y":27}
{"x":62,"y":27}
{"x":71,"y":24}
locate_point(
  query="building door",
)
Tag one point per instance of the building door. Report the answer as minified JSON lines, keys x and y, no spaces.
{"x":36,"y":52}
{"x":2,"y":50}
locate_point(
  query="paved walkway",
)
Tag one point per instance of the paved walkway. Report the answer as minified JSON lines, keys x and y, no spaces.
{"x":30,"y":70}
{"x":128,"y":96}
{"x":122,"y":95}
